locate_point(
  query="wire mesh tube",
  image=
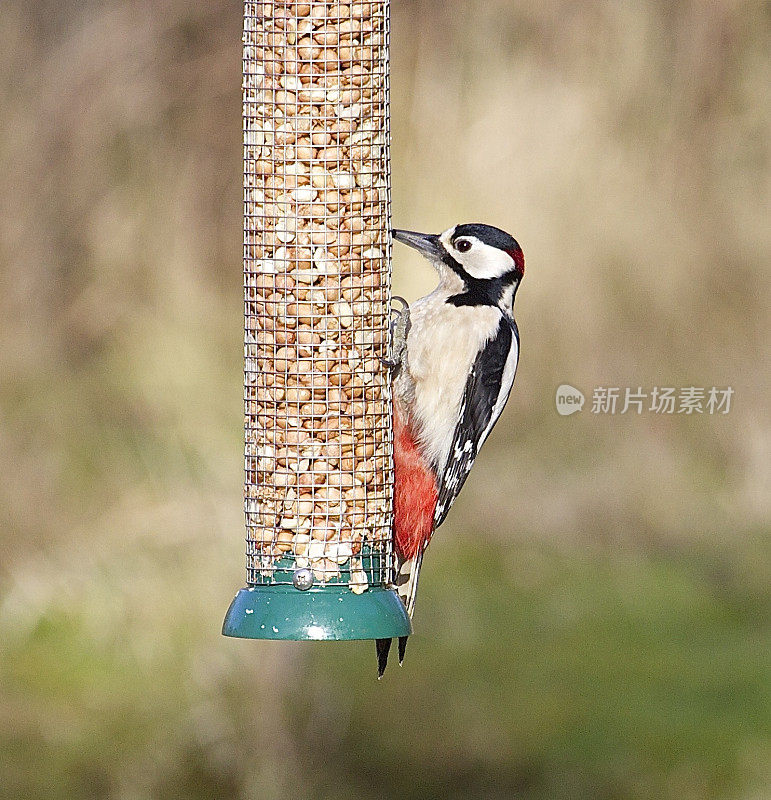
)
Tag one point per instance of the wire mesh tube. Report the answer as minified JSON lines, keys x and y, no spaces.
{"x":318,"y":465}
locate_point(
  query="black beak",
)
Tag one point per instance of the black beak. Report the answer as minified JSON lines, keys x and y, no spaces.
{"x":426,"y":243}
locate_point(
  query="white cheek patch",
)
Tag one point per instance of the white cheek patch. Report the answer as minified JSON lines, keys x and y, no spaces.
{"x":481,"y":261}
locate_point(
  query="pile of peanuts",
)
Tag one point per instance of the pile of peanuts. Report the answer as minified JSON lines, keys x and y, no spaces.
{"x":317,"y":211}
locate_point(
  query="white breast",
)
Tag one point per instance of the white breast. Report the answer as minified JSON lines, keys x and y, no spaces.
{"x":442,"y":344}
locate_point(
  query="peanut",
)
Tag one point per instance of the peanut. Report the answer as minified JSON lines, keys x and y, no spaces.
{"x":318,"y":482}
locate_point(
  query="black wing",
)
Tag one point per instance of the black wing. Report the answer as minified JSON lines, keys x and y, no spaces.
{"x":485,"y":385}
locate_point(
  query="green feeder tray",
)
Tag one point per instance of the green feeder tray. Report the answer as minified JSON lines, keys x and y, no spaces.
{"x":279,"y":610}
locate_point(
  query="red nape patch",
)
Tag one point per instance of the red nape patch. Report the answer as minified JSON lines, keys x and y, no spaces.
{"x":519,"y":259}
{"x":415,"y":493}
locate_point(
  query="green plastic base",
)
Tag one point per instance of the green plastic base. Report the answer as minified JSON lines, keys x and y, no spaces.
{"x":320,"y":613}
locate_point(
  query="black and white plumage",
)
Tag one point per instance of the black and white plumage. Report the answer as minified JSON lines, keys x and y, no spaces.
{"x":453,"y":380}
{"x":487,"y":388}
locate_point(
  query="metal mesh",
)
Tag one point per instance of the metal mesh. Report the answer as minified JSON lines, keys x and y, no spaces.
{"x":318,"y":457}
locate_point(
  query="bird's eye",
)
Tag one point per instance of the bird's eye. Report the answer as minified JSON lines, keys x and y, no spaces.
{"x":463,"y":245}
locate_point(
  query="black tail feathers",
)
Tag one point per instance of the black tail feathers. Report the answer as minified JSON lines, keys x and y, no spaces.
{"x":383,"y":647}
{"x":402,"y":648}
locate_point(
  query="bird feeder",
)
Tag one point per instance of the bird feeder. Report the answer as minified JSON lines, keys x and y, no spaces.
{"x":318,"y":436}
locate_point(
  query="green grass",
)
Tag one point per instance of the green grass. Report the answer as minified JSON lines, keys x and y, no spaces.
{"x":533,"y":673}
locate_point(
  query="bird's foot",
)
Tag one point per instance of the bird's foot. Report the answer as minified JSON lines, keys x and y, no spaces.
{"x":400,"y":327}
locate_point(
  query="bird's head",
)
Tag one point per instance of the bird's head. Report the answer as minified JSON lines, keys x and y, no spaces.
{"x":483,"y":265}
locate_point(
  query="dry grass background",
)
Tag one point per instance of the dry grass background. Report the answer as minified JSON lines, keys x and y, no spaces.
{"x":595,"y":616}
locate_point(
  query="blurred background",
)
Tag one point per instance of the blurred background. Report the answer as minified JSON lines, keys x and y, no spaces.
{"x":594,"y":616}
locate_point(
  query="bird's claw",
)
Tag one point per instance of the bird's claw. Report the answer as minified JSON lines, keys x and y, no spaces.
{"x":405,"y":305}
{"x":400,"y":327}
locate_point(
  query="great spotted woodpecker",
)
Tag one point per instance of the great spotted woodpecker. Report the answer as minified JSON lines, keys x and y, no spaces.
{"x":453,"y":367}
